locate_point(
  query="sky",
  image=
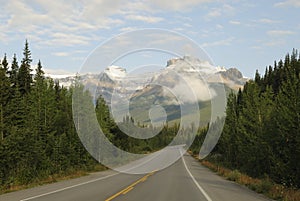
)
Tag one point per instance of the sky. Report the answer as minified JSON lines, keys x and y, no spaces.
{"x":248,"y":35}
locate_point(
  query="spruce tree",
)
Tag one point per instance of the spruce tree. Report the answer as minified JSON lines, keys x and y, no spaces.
{"x":5,"y":63}
{"x":4,"y":95}
{"x":13,"y":73}
{"x":24,"y":76}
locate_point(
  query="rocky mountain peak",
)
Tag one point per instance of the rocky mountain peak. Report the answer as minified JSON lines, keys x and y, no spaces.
{"x":232,"y":73}
{"x":115,"y":72}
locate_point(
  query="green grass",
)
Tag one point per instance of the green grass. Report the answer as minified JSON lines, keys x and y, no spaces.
{"x":71,"y":174}
{"x":264,"y":186}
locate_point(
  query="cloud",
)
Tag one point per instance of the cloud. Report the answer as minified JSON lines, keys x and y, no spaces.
{"x":147,"y":19}
{"x":61,"y":54}
{"x":57,"y":71}
{"x":256,"y":47}
{"x":42,"y":19}
{"x":235,"y":22}
{"x":224,"y":10}
{"x":188,"y":88}
{"x":66,"y":39}
{"x":292,"y":3}
{"x":176,"y":5}
{"x":187,"y":25}
{"x":275,"y":43}
{"x":126,"y":29}
{"x":214,"y":13}
{"x":219,"y":26}
{"x":268,"y":21}
{"x":224,"y":42}
{"x":280,"y":32}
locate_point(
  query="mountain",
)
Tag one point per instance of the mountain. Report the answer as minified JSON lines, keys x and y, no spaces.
{"x":168,"y":88}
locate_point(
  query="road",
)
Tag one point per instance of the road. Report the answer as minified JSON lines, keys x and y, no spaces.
{"x":186,"y":179}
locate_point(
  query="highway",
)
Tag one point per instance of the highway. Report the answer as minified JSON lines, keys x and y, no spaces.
{"x":186,"y":179}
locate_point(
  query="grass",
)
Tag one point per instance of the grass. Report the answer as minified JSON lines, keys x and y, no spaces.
{"x":51,"y":179}
{"x":264,"y":186}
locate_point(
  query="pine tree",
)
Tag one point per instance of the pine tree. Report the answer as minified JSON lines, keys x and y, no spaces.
{"x":13,"y":73}
{"x":257,"y":78}
{"x":4,"y":95}
{"x":287,"y":129}
{"x":230,"y":141}
{"x":24,"y":76}
{"x":39,"y":75}
{"x":5,"y":63}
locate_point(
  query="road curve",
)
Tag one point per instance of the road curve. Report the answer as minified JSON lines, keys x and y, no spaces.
{"x":184,"y":180}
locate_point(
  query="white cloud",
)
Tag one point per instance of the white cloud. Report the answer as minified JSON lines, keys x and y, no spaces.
{"x":50,"y":71}
{"x":235,"y":22}
{"x":176,"y":5}
{"x":179,"y":29}
{"x":268,"y":21}
{"x":219,"y":27}
{"x":293,"y":3}
{"x":224,"y":10}
{"x":224,"y":42}
{"x":256,"y":47}
{"x":214,"y":13}
{"x":148,"y":19}
{"x":61,"y":54}
{"x":126,"y":29}
{"x":40,"y":21}
{"x":275,"y":43}
{"x":187,"y":25}
{"x":43,"y":19}
{"x":65,"y":39}
{"x":280,"y":32}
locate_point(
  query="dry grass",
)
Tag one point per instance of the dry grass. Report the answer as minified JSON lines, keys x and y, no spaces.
{"x":264,"y":186}
{"x":50,"y":179}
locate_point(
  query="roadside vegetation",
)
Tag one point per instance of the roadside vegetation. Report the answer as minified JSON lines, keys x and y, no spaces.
{"x":264,"y":186}
{"x":38,"y":140}
{"x":261,"y":135}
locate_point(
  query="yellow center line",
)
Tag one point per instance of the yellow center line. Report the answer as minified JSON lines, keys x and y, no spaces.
{"x":130,"y":187}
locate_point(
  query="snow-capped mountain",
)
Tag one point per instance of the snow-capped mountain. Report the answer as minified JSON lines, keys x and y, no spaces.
{"x":115,"y":72}
{"x":189,"y":66}
{"x":168,"y":87}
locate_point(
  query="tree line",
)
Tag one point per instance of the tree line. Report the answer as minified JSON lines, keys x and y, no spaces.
{"x":261,"y":135}
{"x":37,"y":132}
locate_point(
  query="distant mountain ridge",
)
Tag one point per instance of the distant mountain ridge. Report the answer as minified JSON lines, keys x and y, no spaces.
{"x":185,"y":64}
{"x":157,"y":88}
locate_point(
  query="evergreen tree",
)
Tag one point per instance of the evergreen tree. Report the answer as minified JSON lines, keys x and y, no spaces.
{"x":261,"y":135}
{"x":286,"y":141}
{"x":24,"y":76}
{"x":4,"y":96}
{"x":13,"y":73}
{"x":5,"y":63}
{"x":39,"y":75}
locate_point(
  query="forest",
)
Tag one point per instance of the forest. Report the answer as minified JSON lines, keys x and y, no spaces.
{"x":38,"y":138}
{"x":261,"y":135}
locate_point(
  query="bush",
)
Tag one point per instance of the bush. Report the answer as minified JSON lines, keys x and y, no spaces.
{"x":235,"y":175}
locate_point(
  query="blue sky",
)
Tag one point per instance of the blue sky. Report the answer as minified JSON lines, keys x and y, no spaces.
{"x":245,"y":34}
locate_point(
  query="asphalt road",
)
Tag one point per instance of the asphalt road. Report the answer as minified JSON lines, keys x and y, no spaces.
{"x":184,"y":180}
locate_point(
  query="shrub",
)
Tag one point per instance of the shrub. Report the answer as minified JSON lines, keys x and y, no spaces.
{"x":235,"y":175}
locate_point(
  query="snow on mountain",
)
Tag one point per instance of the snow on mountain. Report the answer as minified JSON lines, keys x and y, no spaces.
{"x":165,"y":87}
{"x":54,"y":76}
{"x":192,"y":69}
{"x":190,"y":64}
{"x":115,"y":72}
